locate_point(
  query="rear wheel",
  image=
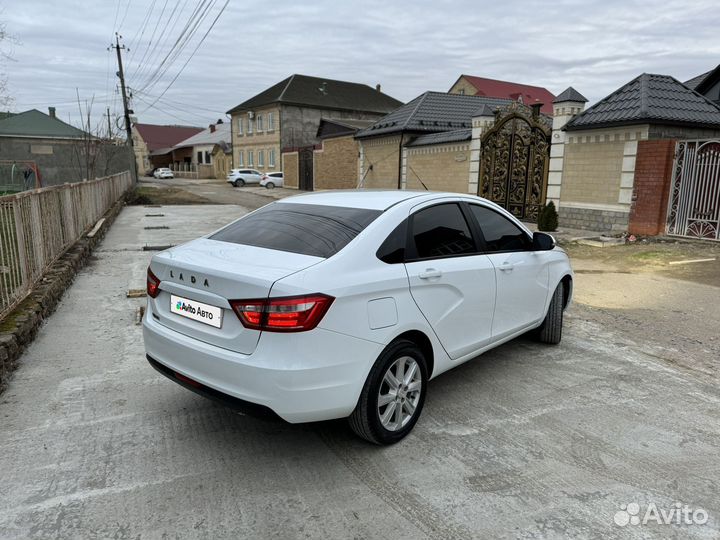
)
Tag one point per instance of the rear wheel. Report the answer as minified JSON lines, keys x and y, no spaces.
{"x":270,"y":185}
{"x":551,"y":329}
{"x":239,"y":182}
{"x":393,"y":396}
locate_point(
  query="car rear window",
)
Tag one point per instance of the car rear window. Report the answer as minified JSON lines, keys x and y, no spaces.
{"x":308,"y":229}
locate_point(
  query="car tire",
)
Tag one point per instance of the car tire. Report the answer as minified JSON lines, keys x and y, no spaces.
{"x":270,"y":185}
{"x":550,"y":331}
{"x":367,"y":419}
{"x":239,"y":182}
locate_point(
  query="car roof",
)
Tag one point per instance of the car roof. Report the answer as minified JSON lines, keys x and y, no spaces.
{"x":370,"y":199}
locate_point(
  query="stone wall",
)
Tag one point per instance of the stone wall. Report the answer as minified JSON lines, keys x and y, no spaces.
{"x":653,"y":176}
{"x":336,"y":163}
{"x":380,"y":162}
{"x":441,"y":167}
{"x":598,"y":220}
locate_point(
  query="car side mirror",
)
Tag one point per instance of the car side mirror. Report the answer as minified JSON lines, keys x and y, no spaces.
{"x":542,"y":241}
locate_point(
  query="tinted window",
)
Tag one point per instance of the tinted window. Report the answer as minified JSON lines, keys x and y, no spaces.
{"x":499,"y":232}
{"x":392,"y":250}
{"x":309,"y":229}
{"x":441,"y":231}
{"x":277,"y":175}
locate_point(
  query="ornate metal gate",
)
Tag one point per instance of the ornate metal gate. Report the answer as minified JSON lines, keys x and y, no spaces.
{"x":305,"y":169}
{"x":694,"y":206}
{"x":514,"y":161}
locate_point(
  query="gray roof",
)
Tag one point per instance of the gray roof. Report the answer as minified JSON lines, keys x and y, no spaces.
{"x":456,"y":135}
{"x":693,"y":83}
{"x":207,"y":137}
{"x":570,"y":94}
{"x":650,"y":99}
{"x":432,"y":112}
{"x":322,"y":94}
{"x":484,"y":110}
{"x":34,"y":123}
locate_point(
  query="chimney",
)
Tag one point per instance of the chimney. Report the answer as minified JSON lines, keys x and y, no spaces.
{"x":212,"y":128}
{"x":378,"y":87}
{"x":51,"y":110}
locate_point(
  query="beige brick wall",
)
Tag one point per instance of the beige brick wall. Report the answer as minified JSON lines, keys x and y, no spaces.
{"x":290,"y":169}
{"x":462,"y":85}
{"x":443,"y":167}
{"x":336,"y":163}
{"x":265,"y":140}
{"x":383,"y":153}
{"x":591,"y":172}
{"x":142,"y":155}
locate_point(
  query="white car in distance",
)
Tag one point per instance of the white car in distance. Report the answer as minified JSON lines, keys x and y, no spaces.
{"x":272,"y":180}
{"x":240,"y":177}
{"x":346,"y":303}
{"x":163,"y":172}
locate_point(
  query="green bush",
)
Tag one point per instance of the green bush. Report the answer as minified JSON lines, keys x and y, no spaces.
{"x":548,"y":218}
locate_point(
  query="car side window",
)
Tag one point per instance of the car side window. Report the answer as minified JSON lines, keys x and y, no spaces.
{"x":441,"y":231}
{"x":392,"y":250}
{"x":499,"y":232}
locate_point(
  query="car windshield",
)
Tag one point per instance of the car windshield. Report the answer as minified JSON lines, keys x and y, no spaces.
{"x":307,"y":229}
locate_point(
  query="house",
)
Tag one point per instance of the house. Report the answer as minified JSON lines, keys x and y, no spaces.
{"x":201,"y":146}
{"x":221,"y":159}
{"x":612,"y":165}
{"x":287,"y":116}
{"x":470,"y":85}
{"x":153,"y":145}
{"x":707,"y":84}
{"x":38,"y":149}
{"x":425,"y":143}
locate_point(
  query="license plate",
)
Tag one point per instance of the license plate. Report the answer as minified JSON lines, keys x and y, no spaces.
{"x":196,"y":311}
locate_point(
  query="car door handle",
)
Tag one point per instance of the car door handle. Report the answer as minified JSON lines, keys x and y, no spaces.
{"x":507,"y":266}
{"x":430,"y":273}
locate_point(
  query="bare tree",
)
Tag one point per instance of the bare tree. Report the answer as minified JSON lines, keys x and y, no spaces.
{"x":5,"y":99}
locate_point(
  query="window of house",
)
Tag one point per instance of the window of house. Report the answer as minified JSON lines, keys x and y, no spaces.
{"x":207,"y":157}
{"x":249,"y":126}
{"x":200,"y":157}
{"x":240,"y":125}
{"x":499,"y":232}
{"x":241,"y":158}
{"x":271,"y":157}
{"x":271,"y":122}
{"x":261,"y":158}
{"x":461,"y":91}
{"x":259,"y":122}
{"x":250,"y":158}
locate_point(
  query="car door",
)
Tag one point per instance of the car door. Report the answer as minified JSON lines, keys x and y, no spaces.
{"x":452,"y":283}
{"x":521,"y":274}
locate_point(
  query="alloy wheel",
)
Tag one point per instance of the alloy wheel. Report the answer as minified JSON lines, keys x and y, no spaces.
{"x":399,"y":394}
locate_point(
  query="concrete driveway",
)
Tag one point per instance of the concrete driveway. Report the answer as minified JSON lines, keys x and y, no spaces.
{"x":527,"y":441}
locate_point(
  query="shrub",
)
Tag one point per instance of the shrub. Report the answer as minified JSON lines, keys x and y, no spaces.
{"x":548,"y":218}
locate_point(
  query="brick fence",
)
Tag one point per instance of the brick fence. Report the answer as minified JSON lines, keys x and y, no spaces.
{"x":653,"y":175}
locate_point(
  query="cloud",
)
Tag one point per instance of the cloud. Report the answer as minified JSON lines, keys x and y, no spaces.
{"x":407,"y":47}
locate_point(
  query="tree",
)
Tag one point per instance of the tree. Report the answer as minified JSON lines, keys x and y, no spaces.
{"x":548,"y":218}
{"x":5,"y":99}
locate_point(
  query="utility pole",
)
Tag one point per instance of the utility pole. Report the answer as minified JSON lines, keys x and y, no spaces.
{"x":109,"y":125}
{"x":121,"y":75}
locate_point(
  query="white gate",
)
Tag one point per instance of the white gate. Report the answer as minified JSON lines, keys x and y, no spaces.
{"x":694,"y":206}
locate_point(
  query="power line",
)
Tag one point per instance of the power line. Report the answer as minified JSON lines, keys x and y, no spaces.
{"x":182,"y":104}
{"x":152,"y":35}
{"x":202,"y":40}
{"x":135,"y":41}
{"x":167,"y":112}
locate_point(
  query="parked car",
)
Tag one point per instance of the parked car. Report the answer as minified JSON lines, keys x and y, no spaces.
{"x":240,"y":177}
{"x":163,"y":172}
{"x":272,"y":179}
{"x":345,"y":304}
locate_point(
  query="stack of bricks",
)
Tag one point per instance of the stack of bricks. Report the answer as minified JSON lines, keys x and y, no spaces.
{"x":653,"y":175}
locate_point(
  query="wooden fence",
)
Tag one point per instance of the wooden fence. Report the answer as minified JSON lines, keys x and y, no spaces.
{"x":36,"y":227}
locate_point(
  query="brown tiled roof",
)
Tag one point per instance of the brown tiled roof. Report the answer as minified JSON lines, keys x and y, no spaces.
{"x":510,"y":90}
{"x":157,"y":137}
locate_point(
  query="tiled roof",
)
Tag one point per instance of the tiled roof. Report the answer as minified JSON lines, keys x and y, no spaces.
{"x":570,"y":94}
{"x":693,"y":83}
{"x":443,"y":137}
{"x":34,"y":123}
{"x":484,"y":110}
{"x":510,"y":90}
{"x":432,"y":112}
{"x":657,"y":99}
{"x":323,"y":94}
{"x":207,"y":137}
{"x":157,"y":137}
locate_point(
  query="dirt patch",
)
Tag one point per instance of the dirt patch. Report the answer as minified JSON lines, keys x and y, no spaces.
{"x":145,"y":195}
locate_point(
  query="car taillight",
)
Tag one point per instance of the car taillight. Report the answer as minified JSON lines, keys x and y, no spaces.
{"x":289,"y":314}
{"x":153,"y":284}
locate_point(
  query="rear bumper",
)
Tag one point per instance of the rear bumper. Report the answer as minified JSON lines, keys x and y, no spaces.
{"x":301,"y":377}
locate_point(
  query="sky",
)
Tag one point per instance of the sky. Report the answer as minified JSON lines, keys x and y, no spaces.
{"x":59,"y":48}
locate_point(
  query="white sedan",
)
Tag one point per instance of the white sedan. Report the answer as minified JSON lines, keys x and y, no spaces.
{"x":345,"y":304}
{"x":163,"y":172}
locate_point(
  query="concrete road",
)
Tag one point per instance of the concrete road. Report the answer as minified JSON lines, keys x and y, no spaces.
{"x":527,"y":441}
{"x":218,"y":191}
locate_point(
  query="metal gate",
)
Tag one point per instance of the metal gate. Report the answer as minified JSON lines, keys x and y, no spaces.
{"x":514,"y":161}
{"x":305,"y":169}
{"x":694,"y":206}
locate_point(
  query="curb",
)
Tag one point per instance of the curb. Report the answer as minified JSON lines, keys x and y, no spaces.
{"x":20,"y":326}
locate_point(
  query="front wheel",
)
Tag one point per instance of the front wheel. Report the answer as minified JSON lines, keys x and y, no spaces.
{"x":550,"y":331}
{"x":393,"y":396}
{"x":239,"y":182}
